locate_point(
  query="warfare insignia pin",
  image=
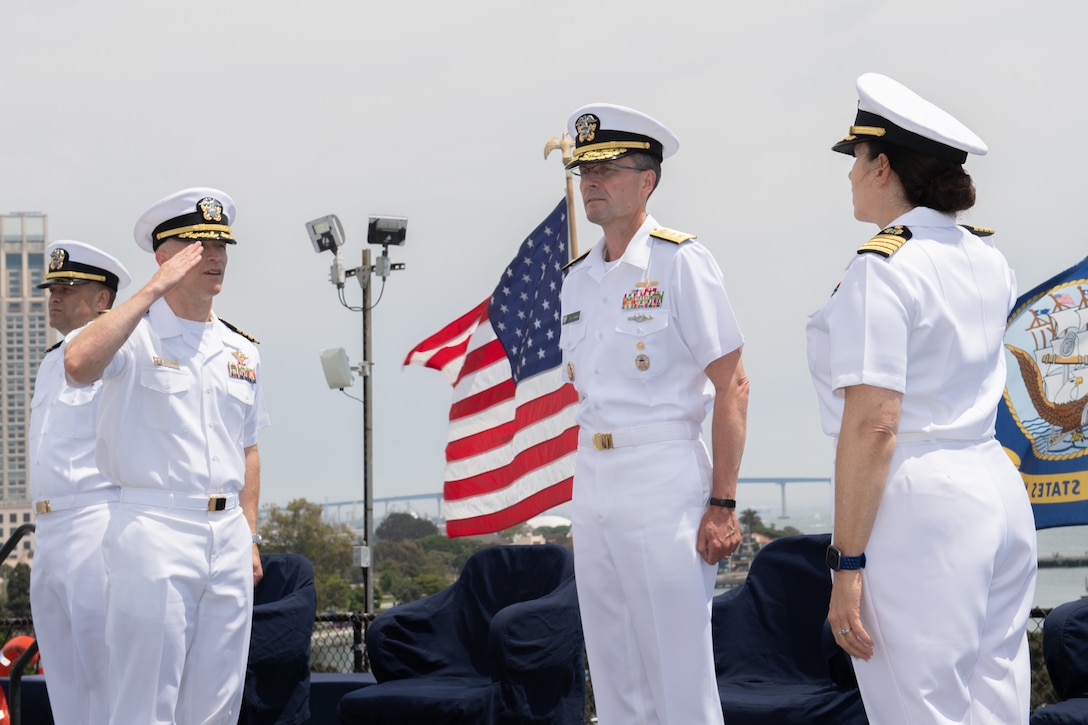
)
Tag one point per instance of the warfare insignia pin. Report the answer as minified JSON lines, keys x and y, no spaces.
{"x":211,"y":209}
{"x":587,"y":126}
{"x":240,"y":356}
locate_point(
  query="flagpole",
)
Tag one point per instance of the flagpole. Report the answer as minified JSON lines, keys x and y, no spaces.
{"x":566,"y":145}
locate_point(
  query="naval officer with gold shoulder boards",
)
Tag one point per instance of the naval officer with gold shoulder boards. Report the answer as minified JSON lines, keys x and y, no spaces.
{"x":934,"y":541}
{"x":651,"y":344}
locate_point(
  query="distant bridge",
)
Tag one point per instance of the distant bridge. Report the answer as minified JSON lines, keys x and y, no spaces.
{"x":350,"y":511}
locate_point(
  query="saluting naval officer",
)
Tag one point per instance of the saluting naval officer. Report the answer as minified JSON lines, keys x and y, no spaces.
{"x":933,"y":551}
{"x":71,"y":497}
{"x":651,"y":344}
{"x":177,"y":431}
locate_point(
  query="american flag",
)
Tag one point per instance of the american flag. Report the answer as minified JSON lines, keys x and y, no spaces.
{"x":512,"y":436}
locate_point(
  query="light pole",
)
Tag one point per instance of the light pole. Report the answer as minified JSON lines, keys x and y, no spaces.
{"x":327,"y":234}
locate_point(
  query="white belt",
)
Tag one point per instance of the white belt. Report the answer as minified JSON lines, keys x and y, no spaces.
{"x":76,"y":500}
{"x":676,"y":431}
{"x":187,"y":501}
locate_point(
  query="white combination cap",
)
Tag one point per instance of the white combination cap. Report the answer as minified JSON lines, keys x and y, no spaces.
{"x":602,"y":132}
{"x":72,"y":263}
{"x":891,"y":113}
{"x":196,"y":215}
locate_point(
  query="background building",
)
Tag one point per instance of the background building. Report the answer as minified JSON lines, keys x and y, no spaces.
{"x":26,"y":335}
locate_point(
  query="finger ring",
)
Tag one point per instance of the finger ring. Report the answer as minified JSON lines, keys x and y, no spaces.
{"x":844,"y":631}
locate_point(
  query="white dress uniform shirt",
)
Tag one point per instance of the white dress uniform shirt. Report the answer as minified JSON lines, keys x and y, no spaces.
{"x":692,"y":326}
{"x":912,"y":323}
{"x":182,"y":417}
{"x":62,"y":437}
{"x":950,"y":571}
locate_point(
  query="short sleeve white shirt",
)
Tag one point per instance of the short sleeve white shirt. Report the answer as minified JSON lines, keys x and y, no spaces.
{"x":177,"y":412}
{"x":62,"y":433}
{"x":638,"y":335}
{"x":927,"y":321}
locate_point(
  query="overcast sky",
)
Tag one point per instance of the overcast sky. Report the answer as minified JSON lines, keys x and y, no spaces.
{"x":439,"y":111}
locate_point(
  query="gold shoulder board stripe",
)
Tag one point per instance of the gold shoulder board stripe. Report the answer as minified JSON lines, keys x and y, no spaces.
{"x":246,"y":335}
{"x":577,"y":259}
{"x":887,"y":242}
{"x":671,"y":235}
{"x":978,"y":231}
{"x":53,"y":347}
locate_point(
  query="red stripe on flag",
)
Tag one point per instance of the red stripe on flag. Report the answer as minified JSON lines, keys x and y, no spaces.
{"x":513,"y":515}
{"x":523,"y":462}
{"x":483,"y":400}
{"x":450,"y":342}
{"x":530,"y":412}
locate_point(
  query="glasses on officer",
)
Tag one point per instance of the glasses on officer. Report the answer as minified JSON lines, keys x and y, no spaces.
{"x":602,"y":170}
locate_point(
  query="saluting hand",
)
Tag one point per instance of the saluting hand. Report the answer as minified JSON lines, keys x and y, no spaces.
{"x":175,"y":267}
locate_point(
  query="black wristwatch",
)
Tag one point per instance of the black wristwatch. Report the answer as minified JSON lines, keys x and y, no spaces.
{"x":840,"y":562}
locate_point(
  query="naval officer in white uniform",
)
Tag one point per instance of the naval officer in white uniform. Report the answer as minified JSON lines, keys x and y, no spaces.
{"x":934,"y":540}
{"x":181,"y":407}
{"x":652,"y":345}
{"x":71,"y":498}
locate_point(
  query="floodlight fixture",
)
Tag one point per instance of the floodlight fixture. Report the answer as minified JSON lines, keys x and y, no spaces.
{"x":326,"y":233}
{"x":387,"y":230}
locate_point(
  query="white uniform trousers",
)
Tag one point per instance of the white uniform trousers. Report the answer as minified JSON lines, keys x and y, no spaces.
{"x":947,"y":590}
{"x":179,"y":607}
{"x":68,"y":601}
{"x":643,"y":590}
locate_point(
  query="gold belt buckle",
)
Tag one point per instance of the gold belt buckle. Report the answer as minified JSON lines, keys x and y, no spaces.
{"x":217,"y":503}
{"x":42,"y":507}
{"x":602,"y":441}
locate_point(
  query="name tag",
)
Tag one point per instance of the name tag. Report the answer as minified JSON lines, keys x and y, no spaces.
{"x":572,"y":317}
{"x":172,"y":364}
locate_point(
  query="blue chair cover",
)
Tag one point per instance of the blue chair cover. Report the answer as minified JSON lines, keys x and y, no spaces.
{"x":503,"y":644}
{"x":277,"y":687}
{"x":775,"y":657}
{"x":1065,"y":650}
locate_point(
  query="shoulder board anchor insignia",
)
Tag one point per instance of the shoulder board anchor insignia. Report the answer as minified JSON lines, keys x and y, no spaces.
{"x":577,"y":259}
{"x":978,"y":231}
{"x":246,"y":335}
{"x":671,"y":235}
{"x":887,"y":242}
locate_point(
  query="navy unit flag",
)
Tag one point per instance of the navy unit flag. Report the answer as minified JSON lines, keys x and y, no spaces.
{"x":1043,"y":420}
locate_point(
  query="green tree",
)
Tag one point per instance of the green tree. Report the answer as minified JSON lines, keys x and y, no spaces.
{"x":411,"y":569}
{"x":750,"y":520}
{"x":299,"y":528}
{"x":401,"y":526}
{"x":17,"y":592}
